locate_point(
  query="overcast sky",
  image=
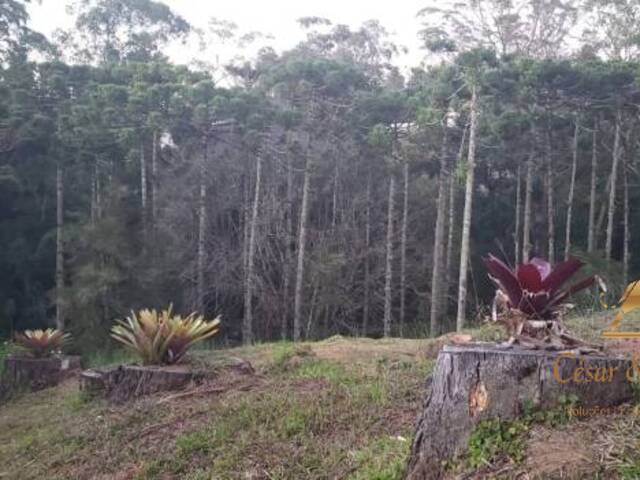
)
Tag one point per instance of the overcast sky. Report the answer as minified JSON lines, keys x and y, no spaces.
{"x":276,"y":17}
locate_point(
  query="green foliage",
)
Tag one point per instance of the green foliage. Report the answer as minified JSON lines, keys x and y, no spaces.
{"x":162,"y":337}
{"x":495,"y":439}
{"x":630,"y":469}
{"x":284,"y":352}
{"x":322,"y":369}
{"x":552,"y":417}
{"x":5,"y":349}
{"x":492,"y":439}
{"x":106,"y":357}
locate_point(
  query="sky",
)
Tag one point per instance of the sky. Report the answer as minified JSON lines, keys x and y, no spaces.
{"x":275,"y":17}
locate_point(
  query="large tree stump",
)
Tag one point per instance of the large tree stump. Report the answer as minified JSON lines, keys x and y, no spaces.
{"x":29,"y":373}
{"x":483,"y":381}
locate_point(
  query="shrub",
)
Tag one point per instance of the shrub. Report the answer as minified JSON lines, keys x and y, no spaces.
{"x":41,"y":343}
{"x":162,"y":337}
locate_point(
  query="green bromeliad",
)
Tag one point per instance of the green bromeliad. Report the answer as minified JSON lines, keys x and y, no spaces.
{"x":160,"y":337}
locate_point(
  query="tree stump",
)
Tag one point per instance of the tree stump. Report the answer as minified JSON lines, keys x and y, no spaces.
{"x":123,"y":383}
{"x":29,"y":373}
{"x":126,"y":382}
{"x":477,"y":382}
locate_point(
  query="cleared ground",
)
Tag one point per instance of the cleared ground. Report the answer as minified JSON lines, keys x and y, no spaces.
{"x":340,"y":408}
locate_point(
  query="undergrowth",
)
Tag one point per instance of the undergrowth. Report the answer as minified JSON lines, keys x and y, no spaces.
{"x":496,"y":439}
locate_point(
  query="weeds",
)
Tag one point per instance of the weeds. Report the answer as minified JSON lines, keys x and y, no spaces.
{"x":383,"y":459}
{"x":493,"y":439}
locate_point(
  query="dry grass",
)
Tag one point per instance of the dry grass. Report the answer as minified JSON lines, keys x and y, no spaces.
{"x":341,"y":408}
{"x":311,"y":411}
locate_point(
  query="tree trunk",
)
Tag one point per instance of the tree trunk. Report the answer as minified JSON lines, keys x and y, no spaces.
{"x":468,"y":205}
{"x":528,"y":192}
{"x":334,"y":200}
{"x":475,"y":383}
{"x":591,"y":235}
{"x":154,"y":180}
{"x":247,"y":324}
{"x":602,"y":214}
{"x":612,"y":191}
{"x":288,"y":252}
{"x":626,"y":255}
{"x":572,"y":186}
{"x":246,"y":187}
{"x":302,"y":240}
{"x":94,"y":207}
{"x":60,"y":323}
{"x":388,"y":276}
{"x":451,"y":204}
{"x":516,"y":234}
{"x":202,"y":224}
{"x":143,"y":189}
{"x":367,"y":273}
{"x":438,"y":240}
{"x":403,"y":246}
{"x":551,"y":224}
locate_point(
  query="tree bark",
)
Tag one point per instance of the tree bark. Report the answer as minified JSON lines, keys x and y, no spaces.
{"x":246,"y":187}
{"x":572,"y":187}
{"x":94,"y":207}
{"x":143,"y":189}
{"x":468,"y":205}
{"x":60,"y":320}
{"x":438,"y":240}
{"x":367,"y":273}
{"x":247,"y":324}
{"x":626,"y":255}
{"x":334,"y":199}
{"x":403,"y":245}
{"x":612,"y":191}
{"x":288,"y":252}
{"x":551,"y":224}
{"x":154,"y":179}
{"x":474,"y":383}
{"x":451,"y":204}
{"x":202,"y":224}
{"x":516,"y":234}
{"x":528,"y":192}
{"x":302,"y":240}
{"x":591,"y":235}
{"x":602,"y":214}
{"x":27,"y":373}
{"x":388,"y":276}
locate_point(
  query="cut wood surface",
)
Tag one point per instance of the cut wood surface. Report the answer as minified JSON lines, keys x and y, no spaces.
{"x":478,"y":382}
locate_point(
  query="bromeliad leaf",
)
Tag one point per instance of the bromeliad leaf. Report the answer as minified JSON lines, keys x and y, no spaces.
{"x":42,"y":343}
{"x":536,"y":288}
{"x":162,"y":337}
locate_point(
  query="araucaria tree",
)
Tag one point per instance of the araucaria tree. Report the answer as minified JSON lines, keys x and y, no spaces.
{"x":315,"y":191}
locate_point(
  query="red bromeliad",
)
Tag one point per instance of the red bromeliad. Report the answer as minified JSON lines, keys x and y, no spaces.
{"x":536,"y":288}
{"x":533,"y":298}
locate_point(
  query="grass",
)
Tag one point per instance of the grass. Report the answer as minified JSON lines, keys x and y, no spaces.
{"x":334,"y":409}
{"x":101,"y":358}
{"x":340,"y":408}
{"x":4,"y":351}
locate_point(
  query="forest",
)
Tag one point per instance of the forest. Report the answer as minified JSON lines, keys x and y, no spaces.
{"x":317,"y":191}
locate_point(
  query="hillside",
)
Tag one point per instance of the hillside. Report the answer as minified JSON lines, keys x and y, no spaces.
{"x":340,"y":408}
